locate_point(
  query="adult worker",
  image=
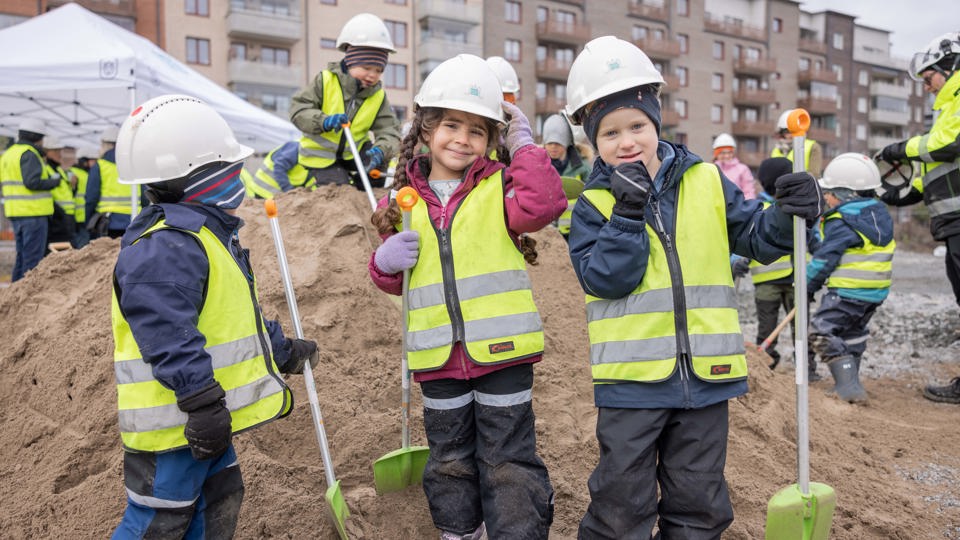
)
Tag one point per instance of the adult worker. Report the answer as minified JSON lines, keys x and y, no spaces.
{"x":725,"y":158}
{"x":509,"y":82}
{"x":566,"y":159}
{"x":62,"y":222}
{"x":812,"y":151}
{"x":281,"y":172}
{"x":938,"y":153}
{"x":348,"y":91}
{"x":107,"y":201}
{"x":27,"y":202}
{"x":81,"y":171}
{"x":194,"y":359}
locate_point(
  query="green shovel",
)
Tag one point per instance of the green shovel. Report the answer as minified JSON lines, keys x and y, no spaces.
{"x":396,"y":470}
{"x":801,"y":511}
{"x":337,"y":505}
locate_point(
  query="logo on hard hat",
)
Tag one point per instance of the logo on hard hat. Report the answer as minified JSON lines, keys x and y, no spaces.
{"x":474,"y":91}
{"x":613,"y":63}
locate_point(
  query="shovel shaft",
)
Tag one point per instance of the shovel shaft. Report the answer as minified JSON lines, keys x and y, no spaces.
{"x":776,"y":331}
{"x":800,"y":302}
{"x":359,"y":163}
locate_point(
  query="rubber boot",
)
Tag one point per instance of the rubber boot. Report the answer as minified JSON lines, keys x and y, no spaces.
{"x":812,"y":375}
{"x":847,"y":378}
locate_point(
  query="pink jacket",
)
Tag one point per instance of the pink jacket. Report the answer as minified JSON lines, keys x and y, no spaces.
{"x":534,"y":198}
{"x":739,"y":174}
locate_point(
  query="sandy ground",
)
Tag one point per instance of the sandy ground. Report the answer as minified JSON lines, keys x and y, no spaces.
{"x":894,"y":463}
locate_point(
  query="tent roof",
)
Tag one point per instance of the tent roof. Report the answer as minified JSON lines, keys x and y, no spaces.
{"x":87,"y":73}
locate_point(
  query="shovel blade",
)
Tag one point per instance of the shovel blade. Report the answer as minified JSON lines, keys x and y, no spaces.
{"x":338,"y":508}
{"x":793,"y":516}
{"x":400,"y":468}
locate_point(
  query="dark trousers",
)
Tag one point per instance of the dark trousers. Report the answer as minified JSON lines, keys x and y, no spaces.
{"x":172,"y":495}
{"x":681,"y":450}
{"x":30,"y":241}
{"x":839,"y":327}
{"x":769,"y":297}
{"x":953,"y":264}
{"x":483,"y":465}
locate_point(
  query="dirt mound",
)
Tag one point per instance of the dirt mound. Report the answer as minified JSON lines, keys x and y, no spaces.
{"x":893,"y":462}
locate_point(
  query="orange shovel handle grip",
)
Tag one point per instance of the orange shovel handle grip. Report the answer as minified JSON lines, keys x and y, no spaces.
{"x":407,"y":198}
{"x":271,"y":206}
{"x":798,"y":122}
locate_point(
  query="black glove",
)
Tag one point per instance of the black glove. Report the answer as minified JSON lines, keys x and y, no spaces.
{"x":301,"y":350}
{"x":208,"y":422}
{"x":631,"y":186}
{"x":741,"y":267}
{"x":798,"y":194}
{"x":895,"y":152}
{"x":890,"y":196}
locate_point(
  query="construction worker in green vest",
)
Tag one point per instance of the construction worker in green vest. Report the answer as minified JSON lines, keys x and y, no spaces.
{"x":107,"y":201}
{"x":81,"y":171}
{"x":62,"y":223}
{"x":280,"y":172}
{"x":557,"y":139}
{"x":349,"y":92}
{"x":813,"y":152}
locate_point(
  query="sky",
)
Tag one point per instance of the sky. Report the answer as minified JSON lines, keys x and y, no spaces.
{"x":912,"y":23}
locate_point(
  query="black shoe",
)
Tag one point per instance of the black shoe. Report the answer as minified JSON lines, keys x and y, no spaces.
{"x":944,"y":394}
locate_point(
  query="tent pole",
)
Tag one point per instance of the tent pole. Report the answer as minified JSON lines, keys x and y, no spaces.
{"x":135,"y":192}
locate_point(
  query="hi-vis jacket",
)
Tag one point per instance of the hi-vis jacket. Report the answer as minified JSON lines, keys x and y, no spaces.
{"x":856,"y":256}
{"x":661,"y":308}
{"x":204,"y":294}
{"x":25,"y":182}
{"x":334,"y":91}
{"x":780,"y":271}
{"x":812,"y":156}
{"x":280,"y":171}
{"x":79,"y":196}
{"x":62,"y":194}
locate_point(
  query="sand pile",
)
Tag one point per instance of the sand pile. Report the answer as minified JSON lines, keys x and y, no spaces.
{"x":61,"y":476}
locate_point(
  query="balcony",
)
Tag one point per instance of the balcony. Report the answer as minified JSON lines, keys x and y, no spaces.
{"x":813,"y":46}
{"x":807,"y":76}
{"x":563,"y":32}
{"x":442,"y":49}
{"x":889,"y":90}
{"x":747,"y":128}
{"x":260,"y":24}
{"x":662,"y":49}
{"x":549,"y":105}
{"x":818,"y":105}
{"x":276,"y":75}
{"x":754,"y":96}
{"x":669,"y":118}
{"x":732,"y":27}
{"x":638,"y":8}
{"x":122,"y":8}
{"x":755,"y":66}
{"x":751,"y":159}
{"x":452,"y":11}
{"x":552,"y":68}
{"x":672,"y":84}
{"x":822,"y":135}
{"x":889,"y":118}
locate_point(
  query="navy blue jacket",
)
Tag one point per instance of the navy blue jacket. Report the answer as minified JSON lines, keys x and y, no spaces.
{"x":610,"y":259}
{"x":160,"y":283}
{"x":118,"y":222}
{"x":285,"y":158}
{"x":866,"y":216}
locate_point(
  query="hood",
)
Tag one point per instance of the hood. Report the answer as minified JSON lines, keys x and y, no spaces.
{"x":185,"y":216}
{"x":868,"y":217}
{"x":683,"y":160}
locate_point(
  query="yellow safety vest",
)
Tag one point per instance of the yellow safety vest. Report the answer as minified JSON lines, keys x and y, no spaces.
{"x":639,"y":337}
{"x":780,"y":268}
{"x":239,"y":347}
{"x":470,"y":284}
{"x":264,"y":185}
{"x":320,"y":151}
{"x":18,"y":201}
{"x":114,"y":196}
{"x":80,"y":211}
{"x":866,"y":267}
{"x":572,"y":187}
{"x":807,"y":147}
{"x":940,"y":181}
{"x":62,"y":194}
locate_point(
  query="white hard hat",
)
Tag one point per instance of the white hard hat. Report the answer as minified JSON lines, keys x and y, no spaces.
{"x":556,"y":130}
{"x":852,"y":171}
{"x":938,"y":49}
{"x":464,"y":83}
{"x":782,"y":121}
{"x":110,"y":134}
{"x":33,"y":125}
{"x":724,"y":139}
{"x":365,"y":30}
{"x":509,"y":81}
{"x":605,"y":66}
{"x":52,"y":143}
{"x":170,"y":136}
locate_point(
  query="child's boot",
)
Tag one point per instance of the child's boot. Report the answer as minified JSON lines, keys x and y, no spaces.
{"x":479,"y":534}
{"x":845,"y":371}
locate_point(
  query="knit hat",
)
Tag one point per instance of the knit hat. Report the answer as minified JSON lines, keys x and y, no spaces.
{"x":638,"y":97}
{"x":770,"y":170}
{"x":365,"y":56}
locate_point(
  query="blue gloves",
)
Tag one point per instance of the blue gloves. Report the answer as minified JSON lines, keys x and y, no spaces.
{"x":374,"y":158}
{"x":335,"y":122}
{"x":398,"y":253}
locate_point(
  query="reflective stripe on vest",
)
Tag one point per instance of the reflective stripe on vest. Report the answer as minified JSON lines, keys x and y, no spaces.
{"x":563,"y":222}
{"x":320,"y":151}
{"x":780,"y":268}
{"x":237,"y":342}
{"x":18,"y":201}
{"x":941,"y":185}
{"x":638,"y":338}
{"x":470,"y":284}
{"x":79,"y":196}
{"x":62,"y":194}
{"x":265,"y":186}
{"x":114,"y":196}
{"x":807,"y":147}
{"x":866,"y":267}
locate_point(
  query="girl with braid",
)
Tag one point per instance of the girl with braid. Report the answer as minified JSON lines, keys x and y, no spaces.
{"x":473,"y":331}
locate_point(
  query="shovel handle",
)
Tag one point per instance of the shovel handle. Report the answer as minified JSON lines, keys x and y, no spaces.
{"x":359,"y":164}
{"x":407,"y":198}
{"x":776,"y":331}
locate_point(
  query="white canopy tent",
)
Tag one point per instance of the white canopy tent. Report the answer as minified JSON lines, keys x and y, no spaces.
{"x":81,"y":74}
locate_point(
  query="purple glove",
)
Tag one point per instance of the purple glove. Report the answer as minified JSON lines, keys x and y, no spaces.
{"x":398,"y":253}
{"x":519,"y":133}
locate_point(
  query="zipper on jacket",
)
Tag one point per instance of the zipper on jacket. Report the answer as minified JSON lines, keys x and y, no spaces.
{"x":451,"y":298}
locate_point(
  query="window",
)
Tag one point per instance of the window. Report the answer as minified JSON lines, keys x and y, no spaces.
{"x":680,"y":138}
{"x":862,"y":105}
{"x":639,"y":32}
{"x":716,"y":114}
{"x":198,"y":7}
{"x":683,"y":8}
{"x":270,"y":55}
{"x":542,"y":14}
{"x":238,"y":51}
{"x":682,"y":75}
{"x":737,"y":51}
{"x":777,"y":25}
{"x":395,"y":76}
{"x":864,"y":78}
{"x":198,"y":51}
{"x":511,"y":12}
{"x":716,"y":82}
{"x":398,"y":32}
{"x":680,"y":106}
{"x":541,"y":91}
{"x":400,"y":111}
{"x":566,"y":18}
{"x":658,"y":34}
{"x":399,"y":3}
{"x":718,"y":50}
{"x":838,"y":40}
{"x":327,"y":43}
{"x":803,"y":64}
{"x":684,"y":41}
{"x":861,"y":132}
{"x":511,"y":50}
{"x":839,"y":71}
{"x":275,"y":102}
{"x":329,"y":2}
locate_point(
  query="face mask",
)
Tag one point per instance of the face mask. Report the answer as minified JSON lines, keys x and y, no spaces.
{"x":220,"y":187}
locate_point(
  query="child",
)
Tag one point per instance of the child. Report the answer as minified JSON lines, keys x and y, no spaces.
{"x":473,"y":329}
{"x":725,"y":157}
{"x":558,"y":141}
{"x":185,"y":304}
{"x":856,"y":262}
{"x":650,"y":243}
{"x":348,"y":90}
